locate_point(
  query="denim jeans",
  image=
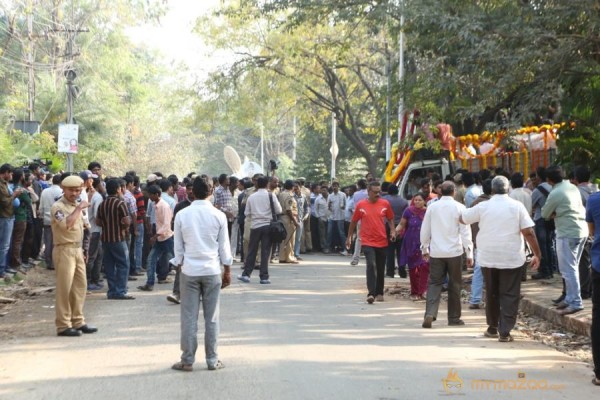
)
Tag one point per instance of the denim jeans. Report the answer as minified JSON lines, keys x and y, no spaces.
{"x":568,"y":251}
{"x":335,"y":229}
{"x":139,"y":246}
{"x":375,"y":258}
{"x":95,"y":258}
{"x":116,"y":267}
{"x":6,"y":228}
{"x":476,"y":282}
{"x":196,"y":290}
{"x":158,"y":250}
{"x":544,"y":238}
{"x":298,"y":243}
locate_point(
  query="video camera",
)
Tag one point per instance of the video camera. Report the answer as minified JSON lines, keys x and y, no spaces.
{"x":43,"y":163}
{"x":273,"y":165}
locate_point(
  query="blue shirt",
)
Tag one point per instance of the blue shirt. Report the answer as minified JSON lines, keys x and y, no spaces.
{"x":592,"y":214}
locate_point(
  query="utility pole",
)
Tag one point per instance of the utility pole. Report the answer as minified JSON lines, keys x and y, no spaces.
{"x":388,"y":105}
{"x":30,"y":58}
{"x":70,"y":75}
{"x":294,"y":142}
{"x":401,"y":70}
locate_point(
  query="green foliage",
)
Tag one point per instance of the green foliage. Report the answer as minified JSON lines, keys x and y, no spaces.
{"x":580,"y":145}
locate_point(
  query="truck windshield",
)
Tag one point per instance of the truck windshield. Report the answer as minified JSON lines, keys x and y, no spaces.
{"x":413,"y":180}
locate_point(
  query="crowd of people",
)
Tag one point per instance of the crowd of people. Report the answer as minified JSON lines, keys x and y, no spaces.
{"x":89,"y":228}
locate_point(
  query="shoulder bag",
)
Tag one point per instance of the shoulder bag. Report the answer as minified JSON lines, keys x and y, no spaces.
{"x":277,"y":230}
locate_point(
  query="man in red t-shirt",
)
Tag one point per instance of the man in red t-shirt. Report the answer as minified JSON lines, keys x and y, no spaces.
{"x":371,"y":213}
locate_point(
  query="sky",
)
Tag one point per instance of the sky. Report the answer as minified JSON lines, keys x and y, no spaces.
{"x":174,"y":37}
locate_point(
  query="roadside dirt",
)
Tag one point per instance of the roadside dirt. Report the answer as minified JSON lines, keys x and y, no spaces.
{"x":32,"y":314}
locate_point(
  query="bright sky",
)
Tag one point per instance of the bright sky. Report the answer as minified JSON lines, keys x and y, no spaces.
{"x":175,"y":39}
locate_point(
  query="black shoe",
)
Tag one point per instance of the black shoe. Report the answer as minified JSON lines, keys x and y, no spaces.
{"x":539,"y":275}
{"x":131,"y":278}
{"x":69,"y":332}
{"x":126,"y":297}
{"x":402,"y":272}
{"x":560,"y":299}
{"x":87,"y":329}
{"x":456,"y":323}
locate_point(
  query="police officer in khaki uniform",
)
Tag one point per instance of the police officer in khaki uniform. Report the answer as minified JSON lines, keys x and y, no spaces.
{"x":67,"y":256}
{"x":290,"y":221}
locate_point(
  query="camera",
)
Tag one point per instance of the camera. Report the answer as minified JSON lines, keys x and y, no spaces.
{"x":273,"y":165}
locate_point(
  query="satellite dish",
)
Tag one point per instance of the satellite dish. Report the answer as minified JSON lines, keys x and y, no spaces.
{"x":232,"y":159}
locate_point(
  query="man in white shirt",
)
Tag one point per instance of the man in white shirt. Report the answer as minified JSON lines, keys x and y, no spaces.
{"x":258,"y":208}
{"x":503,"y":222}
{"x":519,"y":193}
{"x":49,"y":196}
{"x":360,"y":194}
{"x":443,"y":242}
{"x":336,"y":204}
{"x":201,"y":247}
{"x":322,"y":213}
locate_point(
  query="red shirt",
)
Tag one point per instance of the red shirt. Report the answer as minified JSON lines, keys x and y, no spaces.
{"x":372,"y":218}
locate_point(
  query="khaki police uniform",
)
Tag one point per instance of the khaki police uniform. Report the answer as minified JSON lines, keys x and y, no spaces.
{"x":67,"y":257}
{"x":286,"y":250}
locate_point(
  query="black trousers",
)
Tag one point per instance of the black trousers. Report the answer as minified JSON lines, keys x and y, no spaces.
{"x":503,"y":292}
{"x":258,"y":235}
{"x":375,"y":258}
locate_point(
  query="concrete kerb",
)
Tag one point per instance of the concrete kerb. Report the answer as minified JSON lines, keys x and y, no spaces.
{"x":537,"y":301}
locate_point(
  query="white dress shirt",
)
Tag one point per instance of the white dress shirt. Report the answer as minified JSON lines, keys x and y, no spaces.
{"x":442,"y":234}
{"x":499,"y":241}
{"x":258,"y":208}
{"x":49,"y":196}
{"x":523,"y":196}
{"x":321,"y":209}
{"x":201,"y":240}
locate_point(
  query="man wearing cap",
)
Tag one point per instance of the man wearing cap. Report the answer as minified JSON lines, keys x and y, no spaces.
{"x":67,"y":255}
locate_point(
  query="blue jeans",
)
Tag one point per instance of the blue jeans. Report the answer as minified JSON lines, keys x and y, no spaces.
{"x":299,"y":231}
{"x":6,"y":228}
{"x":116,"y":267}
{"x":476,"y":282}
{"x":196,"y":290}
{"x":159,"y":248}
{"x":338,"y":226}
{"x":568,"y":251}
{"x":139,"y":246}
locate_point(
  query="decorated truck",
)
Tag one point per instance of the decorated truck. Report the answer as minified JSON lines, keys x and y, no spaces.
{"x":426,"y":150}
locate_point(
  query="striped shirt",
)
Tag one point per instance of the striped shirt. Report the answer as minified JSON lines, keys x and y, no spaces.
{"x":110,"y":213}
{"x":141,"y":205}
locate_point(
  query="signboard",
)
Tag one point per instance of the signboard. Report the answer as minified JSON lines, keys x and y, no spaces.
{"x":68,"y":138}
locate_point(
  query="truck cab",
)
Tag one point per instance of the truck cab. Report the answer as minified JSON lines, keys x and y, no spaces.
{"x":408,"y":184}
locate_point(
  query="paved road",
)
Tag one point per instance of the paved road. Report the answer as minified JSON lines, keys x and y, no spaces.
{"x":309,"y":335}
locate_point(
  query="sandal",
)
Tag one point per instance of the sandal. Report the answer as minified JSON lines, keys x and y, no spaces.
{"x":179,"y":366}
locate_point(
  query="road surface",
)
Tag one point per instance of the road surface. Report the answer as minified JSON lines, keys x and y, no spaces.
{"x":308,"y":335}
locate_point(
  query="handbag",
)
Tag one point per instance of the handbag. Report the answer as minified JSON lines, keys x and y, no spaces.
{"x":277,"y":231}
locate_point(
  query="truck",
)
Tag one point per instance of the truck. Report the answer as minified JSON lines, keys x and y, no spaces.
{"x":532,"y":153}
